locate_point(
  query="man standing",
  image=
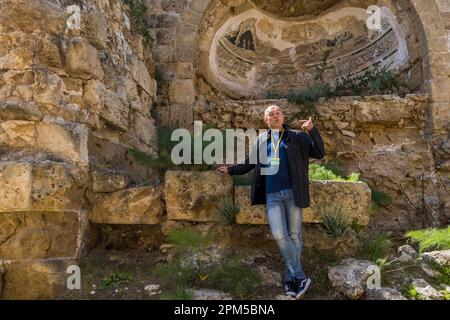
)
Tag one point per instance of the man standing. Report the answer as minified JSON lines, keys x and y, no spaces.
{"x":281,"y":182}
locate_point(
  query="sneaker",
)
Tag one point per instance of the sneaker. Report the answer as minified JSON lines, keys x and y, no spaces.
{"x":302,"y":287}
{"x":291,"y":288}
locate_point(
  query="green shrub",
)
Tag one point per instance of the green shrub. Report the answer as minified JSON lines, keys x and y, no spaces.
{"x":116,"y":278}
{"x":236,"y":278}
{"x":333,"y":222}
{"x":376,"y":248}
{"x":138,"y":10}
{"x":411,"y":292}
{"x":227,"y":211}
{"x":189,"y":238}
{"x":431,"y":239}
{"x":318,"y":172}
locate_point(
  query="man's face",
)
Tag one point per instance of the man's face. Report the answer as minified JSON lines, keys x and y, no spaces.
{"x":275,"y":118}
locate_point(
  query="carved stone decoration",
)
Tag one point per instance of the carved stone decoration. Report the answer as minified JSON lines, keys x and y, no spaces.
{"x":254,"y":52}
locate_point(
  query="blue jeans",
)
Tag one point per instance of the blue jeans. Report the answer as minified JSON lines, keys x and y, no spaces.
{"x":285,"y":220}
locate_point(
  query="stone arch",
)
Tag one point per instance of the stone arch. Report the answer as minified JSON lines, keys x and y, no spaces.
{"x":284,"y":50}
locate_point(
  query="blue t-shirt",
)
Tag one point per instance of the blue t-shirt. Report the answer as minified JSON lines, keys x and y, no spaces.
{"x":282,"y":179}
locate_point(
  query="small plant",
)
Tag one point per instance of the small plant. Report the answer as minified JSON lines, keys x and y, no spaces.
{"x":227,"y":210}
{"x":138,"y":10}
{"x":236,"y":278}
{"x":431,"y":239}
{"x":318,"y":172}
{"x":116,"y":278}
{"x":323,"y":172}
{"x":376,"y":248}
{"x":446,"y":294}
{"x":189,"y":238}
{"x":333,"y":222}
{"x":412,"y":293}
{"x":180,"y":294}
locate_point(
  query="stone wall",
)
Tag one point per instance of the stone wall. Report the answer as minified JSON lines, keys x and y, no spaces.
{"x":73,"y":101}
{"x":196,"y":81}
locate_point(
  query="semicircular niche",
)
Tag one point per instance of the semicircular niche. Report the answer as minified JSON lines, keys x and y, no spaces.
{"x":253,"y":53}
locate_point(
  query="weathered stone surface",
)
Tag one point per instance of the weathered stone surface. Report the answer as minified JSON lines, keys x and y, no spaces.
{"x":46,"y":185}
{"x":352,"y":198}
{"x":207,"y":294}
{"x":407,"y":250}
{"x":195,"y":196}
{"x":36,"y":235}
{"x":66,"y":141}
{"x":36,"y":280}
{"x":130,"y":206}
{"x":350,"y":277}
{"x":269,"y":277}
{"x":425,"y":290}
{"x":108,"y":181}
{"x":182,"y":92}
{"x":140,"y":74}
{"x":441,"y":258}
{"x":48,"y":87}
{"x":384,"y":294}
{"x":107,"y":104}
{"x":58,"y":186}
{"x":14,"y":53}
{"x":15,"y":186}
{"x":83,"y":59}
{"x":248,"y":214}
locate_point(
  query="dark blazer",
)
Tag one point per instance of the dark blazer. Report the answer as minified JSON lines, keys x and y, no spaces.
{"x":299,"y":147}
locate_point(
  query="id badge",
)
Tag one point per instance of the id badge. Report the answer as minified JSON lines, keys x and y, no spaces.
{"x":275,"y":161}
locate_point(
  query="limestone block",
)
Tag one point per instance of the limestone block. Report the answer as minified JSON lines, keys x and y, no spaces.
{"x":58,"y":186}
{"x":49,"y":186}
{"x":107,"y":104}
{"x":48,"y":52}
{"x":144,"y":129}
{"x":16,"y":52}
{"x":351,"y":275}
{"x":31,"y":16}
{"x":131,"y":206}
{"x":182,"y":92}
{"x":18,"y":133}
{"x":248,"y":214}
{"x":67,"y":141}
{"x":36,"y":280}
{"x":38,"y":234}
{"x":83,"y":59}
{"x":108,"y":181}
{"x":194,"y":196}
{"x":141,"y":75}
{"x":15,"y":186}
{"x":48,"y":87}
{"x":352,"y":197}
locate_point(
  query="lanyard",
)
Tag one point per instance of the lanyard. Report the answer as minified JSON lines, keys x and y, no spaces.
{"x":275,"y":149}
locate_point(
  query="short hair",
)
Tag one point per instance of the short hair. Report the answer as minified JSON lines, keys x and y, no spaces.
{"x":270,"y":108}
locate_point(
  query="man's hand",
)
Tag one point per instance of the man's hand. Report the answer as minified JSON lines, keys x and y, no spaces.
{"x":307,"y":124}
{"x":222,"y":169}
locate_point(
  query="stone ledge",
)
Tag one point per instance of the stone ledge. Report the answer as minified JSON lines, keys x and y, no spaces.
{"x":40,"y":234}
{"x":35,"y":280}
{"x":64,"y":140}
{"x":352,"y":197}
{"x":46,"y":186}
{"x":130,"y":206}
{"x":194,"y":196}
